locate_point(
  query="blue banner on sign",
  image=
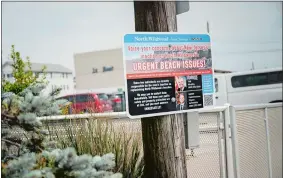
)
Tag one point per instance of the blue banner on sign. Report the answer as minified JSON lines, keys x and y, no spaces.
{"x":163,"y":38}
{"x":207,"y":83}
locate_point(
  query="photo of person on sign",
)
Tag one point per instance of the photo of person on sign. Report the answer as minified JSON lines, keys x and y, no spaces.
{"x":180,"y":84}
{"x":181,"y":101}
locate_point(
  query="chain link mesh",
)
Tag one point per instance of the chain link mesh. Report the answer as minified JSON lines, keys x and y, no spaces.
{"x":275,"y":136}
{"x":204,"y":162}
{"x":252,"y":142}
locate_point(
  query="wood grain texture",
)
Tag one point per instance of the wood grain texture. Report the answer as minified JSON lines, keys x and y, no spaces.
{"x":163,"y":136}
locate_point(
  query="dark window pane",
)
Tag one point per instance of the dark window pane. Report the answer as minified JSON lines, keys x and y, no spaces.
{"x":83,"y":98}
{"x":275,"y":77}
{"x":107,"y":68}
{"x":257,"y":79}
{"x":77,"y":98}
{"x":90,"y":98}
{"x":280,"y":77}
{"x":216,"y":84}
{"x":102,"y":96}
{"x":94,"y":70}
{"x":71,"y":99}
{"x":86,"y":98}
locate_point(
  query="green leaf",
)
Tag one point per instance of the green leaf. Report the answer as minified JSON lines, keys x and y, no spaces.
{"x":22,"y":73}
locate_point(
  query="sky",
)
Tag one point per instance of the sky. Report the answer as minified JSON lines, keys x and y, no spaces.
{"x":52,"y":32}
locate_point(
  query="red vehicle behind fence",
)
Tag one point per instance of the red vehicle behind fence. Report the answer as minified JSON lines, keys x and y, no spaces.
{"x":88,"y":103}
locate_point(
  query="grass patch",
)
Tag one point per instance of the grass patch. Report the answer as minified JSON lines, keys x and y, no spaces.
{"x":101,"y":136}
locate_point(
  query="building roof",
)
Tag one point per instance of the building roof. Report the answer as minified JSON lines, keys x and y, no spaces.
{"x":36,"y":67}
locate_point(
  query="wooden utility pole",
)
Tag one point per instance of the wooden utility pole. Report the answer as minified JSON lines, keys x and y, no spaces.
{"x":163,"y":136}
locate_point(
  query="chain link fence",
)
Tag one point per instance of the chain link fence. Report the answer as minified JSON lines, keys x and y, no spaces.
{"x":275,"y":135}
{"x":258,"y":132}
{"x":204,"y":162}
{"x":259,"y":137}
{"x":201,"y":162}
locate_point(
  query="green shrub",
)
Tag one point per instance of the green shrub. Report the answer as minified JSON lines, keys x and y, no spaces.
{"x":98,"y":137}
{"x":22,"y":73}
{"x":61,"y":164}
{"x":34,"y":156}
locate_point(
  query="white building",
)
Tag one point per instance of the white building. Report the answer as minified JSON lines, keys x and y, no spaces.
{"x":56,"y":74}
{"x":100,"y":71}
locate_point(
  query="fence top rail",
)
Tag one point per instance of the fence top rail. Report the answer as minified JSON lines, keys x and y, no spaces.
{"x":84,"y":116}
{"x":111,"y":115}
{"x":213,"y":109}
{"x":257,"y":106}
{"x":124,"y":114}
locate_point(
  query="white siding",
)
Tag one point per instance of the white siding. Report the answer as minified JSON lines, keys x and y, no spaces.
{"x":7,"y":70}
{"x":56,"y":80}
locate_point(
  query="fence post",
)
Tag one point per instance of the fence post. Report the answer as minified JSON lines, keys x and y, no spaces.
{"x":234,"y":140}
{"x":267,"y":142}
{"x":229,"y":155}
{"x":221,"y":145}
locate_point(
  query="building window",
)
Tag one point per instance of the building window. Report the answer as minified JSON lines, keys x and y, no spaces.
{"x":54,"y":87}
{"x":108,"y":68}
{"x":84,"y":98}
{"x":257,"y":79}
{"x":66,"y":75}
{"x":216,"y":84}
{"x":9,"y":75}
{"x":67,"y":86}
{"x":94,"y":70}
{"x":51,"y":75}
{"x":4,"y":75}
{"x":63,"y":75}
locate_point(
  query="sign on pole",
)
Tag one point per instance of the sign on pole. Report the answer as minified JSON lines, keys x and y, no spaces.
{"x":167,"y":73}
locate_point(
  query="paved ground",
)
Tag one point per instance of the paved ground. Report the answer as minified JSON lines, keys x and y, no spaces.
{"x":205,"y":162}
